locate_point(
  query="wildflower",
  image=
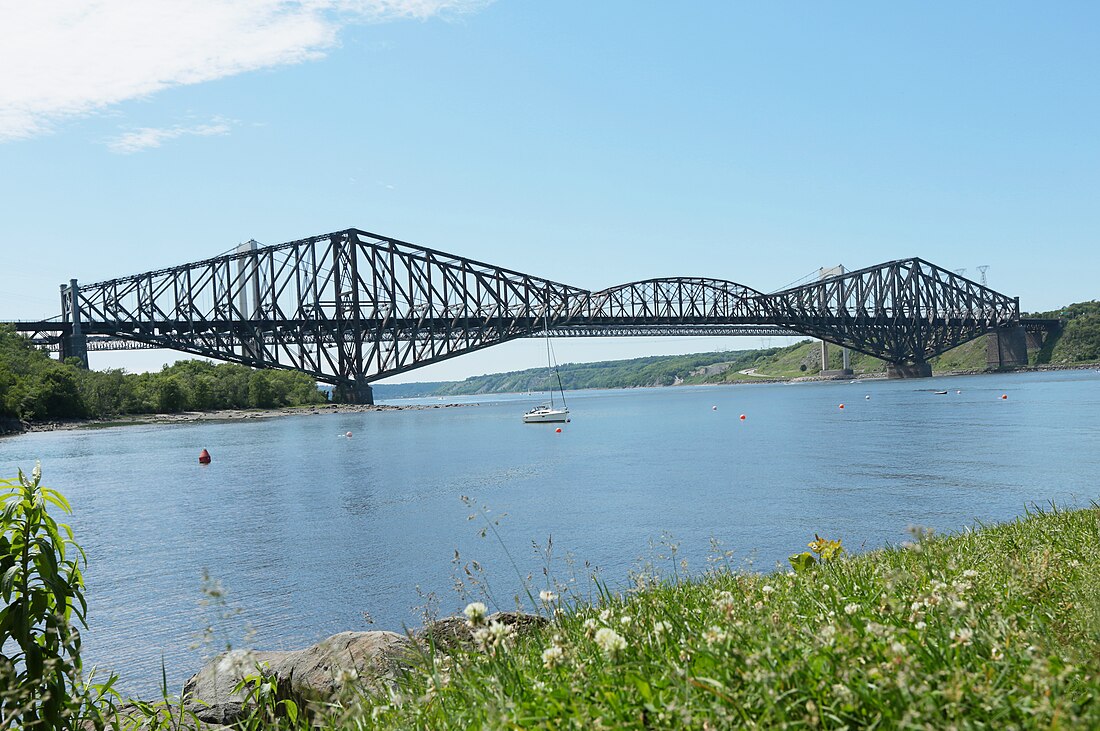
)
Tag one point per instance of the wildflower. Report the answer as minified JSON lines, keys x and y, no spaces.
{"x":714,"y":635}
{"x":970,"y":573}
{"x":920,"y":626}
{"x":768,"y":589}
{"x":897,"y":648}
{"x":610,"y":641}
{"x":496,"y":636}
{"x":547,"y":596}
{"x":958,"y":605}
{"x":552,"y":656}
{"x":605,"y":615}
{"x":962,"y":636}
{"x":851,"y":609}
{"x":725,"y":603}
{"x":758,"y":606}
{"x":475,"y":613}
{"x":625,"y":620}
{"x":590,"y":626}
{"x":996,"y":653}
{"x":660,"y":627}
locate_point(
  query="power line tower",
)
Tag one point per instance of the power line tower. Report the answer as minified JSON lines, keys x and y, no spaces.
{"x":961,"y":272}
{"x":983,"y":269}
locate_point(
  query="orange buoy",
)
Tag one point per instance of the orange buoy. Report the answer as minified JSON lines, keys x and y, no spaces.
{"x":558,"y":430}
{"x":742,"y":417}
{"x":842,"y":406}
{"x":204,"y":457}
{"x":1004,"y":395}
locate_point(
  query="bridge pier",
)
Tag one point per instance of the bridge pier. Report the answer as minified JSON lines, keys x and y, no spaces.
{"x":1007,"y":348}
{"x":905,"y":370}
{"x":74,"y":344}
{"x":356,"y":392}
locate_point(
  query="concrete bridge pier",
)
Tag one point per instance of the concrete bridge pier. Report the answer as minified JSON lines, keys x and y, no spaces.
{"x":907,"y":370}
{"x":1007,"y":347}
{"x":356,"y":392}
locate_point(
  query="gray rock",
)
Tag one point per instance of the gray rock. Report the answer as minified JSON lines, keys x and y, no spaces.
{"x":450,"y":632}
{"x":317,"y":673}
{"x":209,"y":693}
{"x":365,"y":659}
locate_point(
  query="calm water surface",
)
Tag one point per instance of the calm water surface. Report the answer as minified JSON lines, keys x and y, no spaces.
{"x":308,"y":530}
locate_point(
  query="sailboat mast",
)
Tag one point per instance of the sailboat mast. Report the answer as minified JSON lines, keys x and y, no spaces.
{"x":549,"y":370}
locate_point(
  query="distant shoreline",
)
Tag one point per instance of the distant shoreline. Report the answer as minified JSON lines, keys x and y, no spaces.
{"x":12,"y":427}
{"x":193,"y":417}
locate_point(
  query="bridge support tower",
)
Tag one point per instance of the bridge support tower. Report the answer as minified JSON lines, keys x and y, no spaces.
{"x":1006,"y":347}
{"x":357,"y":392}
{"x":74,"y":343}
{"x":907,"y":370}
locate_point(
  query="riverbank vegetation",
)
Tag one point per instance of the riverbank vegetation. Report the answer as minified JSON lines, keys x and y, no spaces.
{"x":34,"y":387}
{"x":997,"y":627}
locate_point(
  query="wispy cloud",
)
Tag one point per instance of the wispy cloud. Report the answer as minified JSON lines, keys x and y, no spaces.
{"x":148,"y":137}
{"x":67,"y":58}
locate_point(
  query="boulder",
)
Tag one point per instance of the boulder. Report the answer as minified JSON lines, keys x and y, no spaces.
{"x":317,"y":673}
{"x":209,"y":693}
{"x":450,"y":632}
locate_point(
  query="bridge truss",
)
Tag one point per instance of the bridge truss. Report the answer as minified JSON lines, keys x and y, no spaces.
{"x":352,"y":307}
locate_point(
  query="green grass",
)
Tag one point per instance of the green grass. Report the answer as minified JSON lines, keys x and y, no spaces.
{"x":996,"y":628}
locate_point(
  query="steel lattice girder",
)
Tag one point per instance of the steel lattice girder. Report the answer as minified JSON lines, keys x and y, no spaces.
{"x":352,"y":306}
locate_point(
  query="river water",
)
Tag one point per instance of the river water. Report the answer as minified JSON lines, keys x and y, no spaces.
{"x":308,"y":529}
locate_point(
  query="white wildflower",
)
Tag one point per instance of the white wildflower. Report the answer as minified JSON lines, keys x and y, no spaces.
{"x":605,"y":615}
{"x":920,"y":626}
{"x":897,"y":648}
{"x":767,"y":589}
{"x":660,"y":627}
{"x":547,"y":596}
{"x":714,"y":636}
{"x":970,"y":573}
{"x":851,"y":609}
{"x":610,"y":641}
{"x":625,"y":620}
{"x":552,"y":656}
{"x":475,"y":613}
{"x":962,"y":636}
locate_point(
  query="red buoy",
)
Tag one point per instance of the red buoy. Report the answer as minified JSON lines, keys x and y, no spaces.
{"x":204,"y":457}
{"x":742,"y":417}
{"x":842,"y":406}
{"x":1004,"y":395}
{"x":558,"y":430}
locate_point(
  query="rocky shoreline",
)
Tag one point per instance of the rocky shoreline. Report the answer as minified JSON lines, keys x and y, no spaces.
{"x":13,"y":426}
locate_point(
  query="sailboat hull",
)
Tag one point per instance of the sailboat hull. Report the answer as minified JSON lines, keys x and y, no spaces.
{"x":546,"y":416}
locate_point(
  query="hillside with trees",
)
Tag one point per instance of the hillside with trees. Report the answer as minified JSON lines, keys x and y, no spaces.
{"x":35,"y":388}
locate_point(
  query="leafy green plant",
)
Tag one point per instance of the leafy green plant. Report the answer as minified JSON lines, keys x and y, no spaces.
{"x":42,"y":588}
{"x":826,"y":550}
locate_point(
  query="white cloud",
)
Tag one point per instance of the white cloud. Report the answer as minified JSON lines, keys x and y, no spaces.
{"x":66,"y":58}
{"x":147,"y":137}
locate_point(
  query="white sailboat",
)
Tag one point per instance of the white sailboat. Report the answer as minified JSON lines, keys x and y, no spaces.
{"x":549,"y":413}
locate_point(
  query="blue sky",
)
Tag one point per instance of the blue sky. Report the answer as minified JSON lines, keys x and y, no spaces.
{"x":590,"y":143}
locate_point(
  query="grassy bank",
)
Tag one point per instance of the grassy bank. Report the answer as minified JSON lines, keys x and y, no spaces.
{"x":995,"y":628}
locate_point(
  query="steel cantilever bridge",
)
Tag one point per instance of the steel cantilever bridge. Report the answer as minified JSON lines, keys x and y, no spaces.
{"x":352,"y":307}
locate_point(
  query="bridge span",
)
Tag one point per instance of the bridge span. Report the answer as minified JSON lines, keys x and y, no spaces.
{"x":352,"y":307}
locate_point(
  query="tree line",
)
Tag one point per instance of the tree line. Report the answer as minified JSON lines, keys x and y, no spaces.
{"x":34,"y":387}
